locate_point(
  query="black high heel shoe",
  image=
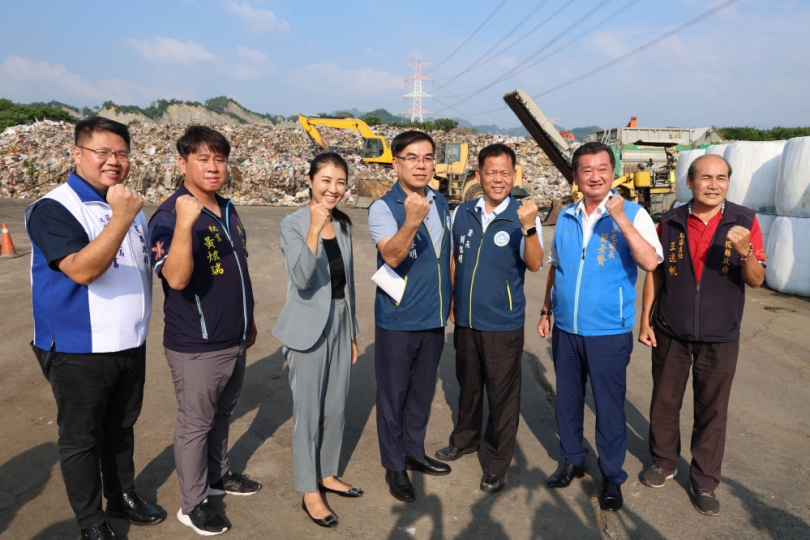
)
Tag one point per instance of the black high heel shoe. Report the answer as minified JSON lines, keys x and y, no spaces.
{"x":328,"y":521}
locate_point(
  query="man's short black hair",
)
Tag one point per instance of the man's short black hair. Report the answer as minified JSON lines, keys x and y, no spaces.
{"x":690,"y":172}
{"x":406,"y":138}
{"x":86,"y":128}
{"x":197,"y":137}
{"x":493,"y":151}
{"x":592,"y":148}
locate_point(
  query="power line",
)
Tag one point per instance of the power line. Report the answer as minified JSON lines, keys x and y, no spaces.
{"x":647,"y":45}
{"x":504,"y":38}
{"x":475,"y":32}
{"x":586,"y":16}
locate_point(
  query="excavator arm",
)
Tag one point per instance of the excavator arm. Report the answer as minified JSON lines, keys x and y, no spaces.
{"x":375,"y":147}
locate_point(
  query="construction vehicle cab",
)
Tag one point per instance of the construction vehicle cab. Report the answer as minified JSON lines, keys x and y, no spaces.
{"x":645,"y":157}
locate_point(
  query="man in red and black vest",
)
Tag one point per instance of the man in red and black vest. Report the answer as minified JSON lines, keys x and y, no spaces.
{"x":712,"y":249}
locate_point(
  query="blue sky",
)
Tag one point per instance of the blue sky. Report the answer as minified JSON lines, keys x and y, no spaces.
{"x":746,"y":65}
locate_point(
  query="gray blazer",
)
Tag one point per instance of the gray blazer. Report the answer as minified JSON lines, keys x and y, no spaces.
{"x":309,"y":283}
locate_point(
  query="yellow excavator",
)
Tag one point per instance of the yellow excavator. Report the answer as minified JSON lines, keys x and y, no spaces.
{"x":453,"y":175}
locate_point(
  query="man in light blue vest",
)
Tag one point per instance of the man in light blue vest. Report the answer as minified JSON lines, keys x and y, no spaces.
{"x":495,"y":239}
{"x":410,"y":226}
{"x":91,"y":289}
{"x":591,"y":291}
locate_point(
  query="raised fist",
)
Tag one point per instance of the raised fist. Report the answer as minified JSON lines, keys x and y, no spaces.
{"x":740,"y":238}
{"x":124,"y":202}
{"x":416,"y":208}
{"x":527,"y":214}
{"x":319,"y":215}
{"x":615,"y":206}
{"x":188,"y":210}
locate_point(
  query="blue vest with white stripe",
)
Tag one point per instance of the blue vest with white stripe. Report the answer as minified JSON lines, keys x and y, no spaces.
{"x":112,"y":313}
{"x":594,"y":289}
{"x":425,"y":303}
{"x":489,"y":270}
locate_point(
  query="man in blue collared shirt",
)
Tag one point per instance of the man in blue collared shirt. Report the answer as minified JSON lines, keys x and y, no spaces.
{"x":410,"y":227}
{"x":495,"y":239}
{"x":599,"y":243}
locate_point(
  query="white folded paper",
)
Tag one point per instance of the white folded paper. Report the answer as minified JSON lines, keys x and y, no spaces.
{"x":390,"y":282}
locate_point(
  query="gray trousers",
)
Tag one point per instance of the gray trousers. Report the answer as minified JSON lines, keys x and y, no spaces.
{"x":207,"y":386}
{"x":319,"y":378}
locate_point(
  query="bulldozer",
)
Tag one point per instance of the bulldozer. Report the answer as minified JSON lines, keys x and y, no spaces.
{"x":646,"y":158}
{"x":453,"y":175}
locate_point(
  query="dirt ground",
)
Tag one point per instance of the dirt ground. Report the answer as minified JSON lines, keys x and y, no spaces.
{"x":766,"y":473}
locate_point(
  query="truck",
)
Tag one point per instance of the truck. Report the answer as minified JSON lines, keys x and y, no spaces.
{"x":645,"y":157}
{"x":453,"y":175}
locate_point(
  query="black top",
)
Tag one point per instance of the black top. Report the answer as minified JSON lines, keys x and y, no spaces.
{"x":336,"y":268}
{"x":55,"y":231}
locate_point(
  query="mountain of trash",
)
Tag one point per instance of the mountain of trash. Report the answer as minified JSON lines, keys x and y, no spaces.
{"x":268,"y":163}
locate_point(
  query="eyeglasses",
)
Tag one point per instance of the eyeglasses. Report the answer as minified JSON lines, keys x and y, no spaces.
{"x":103,"y":154}
{"x":413,"y":160}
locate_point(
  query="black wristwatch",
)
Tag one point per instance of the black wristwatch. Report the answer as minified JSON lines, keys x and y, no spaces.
{"x":531,"y":231}
{"x":544,"y":312}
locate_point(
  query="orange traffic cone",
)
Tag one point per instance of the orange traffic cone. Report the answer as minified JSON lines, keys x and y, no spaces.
{"x":8,"y":245}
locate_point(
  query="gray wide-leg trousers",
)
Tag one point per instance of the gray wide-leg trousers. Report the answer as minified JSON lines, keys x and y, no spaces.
{"x":319,"y":378}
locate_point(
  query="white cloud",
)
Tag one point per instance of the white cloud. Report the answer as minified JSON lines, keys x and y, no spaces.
{"x":256,"y":19}
{"x":254,"y":65}
{"x":170,"y":50}
{"x":25,"y":80}
{"x":331,"y":79}
{"x":507,"y":61}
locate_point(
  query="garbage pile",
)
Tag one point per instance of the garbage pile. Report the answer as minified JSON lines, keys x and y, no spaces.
{"x":268,"y":165}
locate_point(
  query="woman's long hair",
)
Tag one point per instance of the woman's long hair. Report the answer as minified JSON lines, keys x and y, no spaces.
{"x":336,"y":160}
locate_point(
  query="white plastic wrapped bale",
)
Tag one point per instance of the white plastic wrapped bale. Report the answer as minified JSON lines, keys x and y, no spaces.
{"x":793,"y":182}
{"x":754,"y":170}
{"x":765,"y":225}
{"x":718,"y":149}
{"x":685,"y":159}
{"x":788,"y":269}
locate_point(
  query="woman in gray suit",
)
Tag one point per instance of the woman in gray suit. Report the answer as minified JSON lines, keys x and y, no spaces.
{"x":318,"y":329}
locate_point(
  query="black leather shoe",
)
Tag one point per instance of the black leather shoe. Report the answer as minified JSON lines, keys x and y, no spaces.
{"x":451,"y":453}
{"x":328,"y":521}
{"x":98,"y":531}
{"x":492,"y":483}
{"x":130,"y":506}
{"x":400,"y":485}
{"x":427,"y":465}
{"x":352,"y":492}
{"x":562,"y":478}
{"x":611,"y":499}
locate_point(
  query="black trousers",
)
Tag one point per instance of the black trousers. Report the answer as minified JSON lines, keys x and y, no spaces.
{"x":98,"y":399}
{"x":488,"y":360}
{"x":405,"y":364}
{"x":713,"y":366}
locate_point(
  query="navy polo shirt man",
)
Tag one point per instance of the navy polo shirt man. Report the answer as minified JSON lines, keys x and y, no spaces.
{"x":200,"y":254}
{"x":495,"y":239}
{"x":599,"y":243}
{"x":410,"y":226}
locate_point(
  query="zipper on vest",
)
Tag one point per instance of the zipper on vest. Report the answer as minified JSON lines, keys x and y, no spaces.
{"x":403,"y":292}
{"x":438,"y":266}
{"x":202,"y":318}
{"x":238,"y":264}
{"x":477,"y":257}
{"x":621,"y":306}
{"x":579,"y":272}
{"x":702,"y":271}
{"x":509,"y":293}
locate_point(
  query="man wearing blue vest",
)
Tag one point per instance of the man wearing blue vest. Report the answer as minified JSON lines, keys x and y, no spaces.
{"x":200,"y":254}
{"x":91,"y":289}
{"x":495,"y":239}
{"x":591,"y":291}
{"x":410,"y":226}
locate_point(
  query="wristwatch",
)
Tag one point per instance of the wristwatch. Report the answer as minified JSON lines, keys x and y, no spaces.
{"x":544,"y":312}
{"x":531,"y":231}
